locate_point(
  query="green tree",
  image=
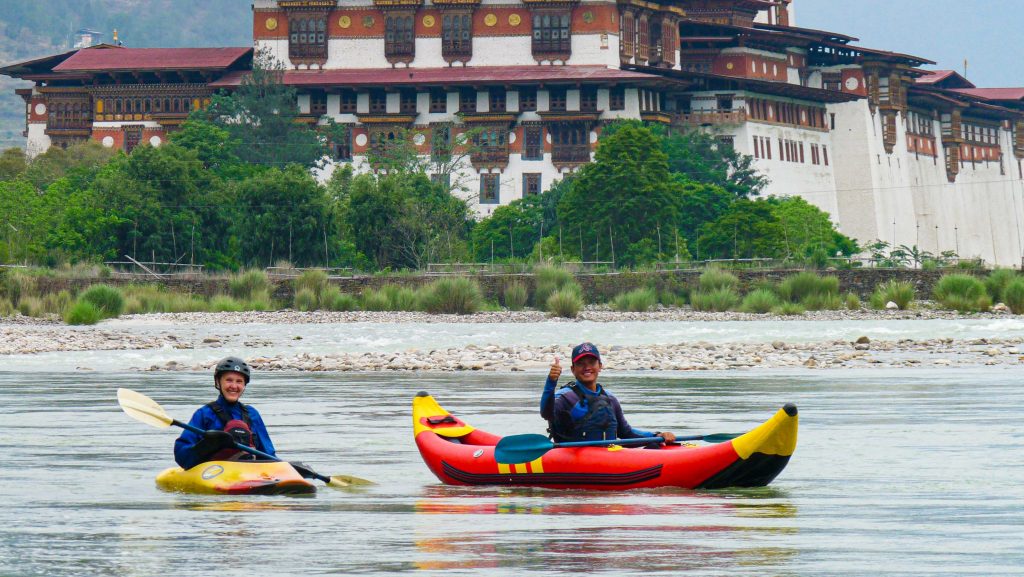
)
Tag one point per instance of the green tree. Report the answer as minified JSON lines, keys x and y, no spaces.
{"x":808,"y":229}
{"x":510,"y":231}
{"x":284,"y":214}
{"x":85,"y":158}
{"x":260,"y":118}
{"x":624,"y":196}
{"x":748,"y":229}
{"x":13,"y":164}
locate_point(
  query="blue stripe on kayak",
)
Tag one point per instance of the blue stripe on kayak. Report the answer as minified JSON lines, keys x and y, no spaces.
{"x":630,"y":478}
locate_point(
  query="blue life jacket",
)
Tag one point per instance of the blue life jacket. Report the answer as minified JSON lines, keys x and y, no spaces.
{"x":593,"y":417}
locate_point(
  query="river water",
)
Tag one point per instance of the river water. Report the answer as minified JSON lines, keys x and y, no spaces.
{"x":897,"y":472}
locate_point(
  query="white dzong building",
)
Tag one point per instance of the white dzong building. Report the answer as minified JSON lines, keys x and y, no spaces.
{"x":892,"y":151}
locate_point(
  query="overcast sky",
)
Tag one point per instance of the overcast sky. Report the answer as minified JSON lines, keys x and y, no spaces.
{"x":985,"y":32}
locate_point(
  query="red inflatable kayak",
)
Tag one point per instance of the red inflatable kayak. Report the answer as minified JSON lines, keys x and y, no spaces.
{"x":462,"y":455}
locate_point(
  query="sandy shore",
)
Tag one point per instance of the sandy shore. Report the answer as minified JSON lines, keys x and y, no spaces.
{"x":31,"y":336}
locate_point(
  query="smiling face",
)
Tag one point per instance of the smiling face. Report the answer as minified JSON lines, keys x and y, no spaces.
{"x":231,"y":385}
{"x":586,"y":369}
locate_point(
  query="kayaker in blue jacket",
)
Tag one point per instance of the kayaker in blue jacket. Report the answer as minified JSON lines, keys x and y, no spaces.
{"x":584,"y":410}
{"x":225,"y":420}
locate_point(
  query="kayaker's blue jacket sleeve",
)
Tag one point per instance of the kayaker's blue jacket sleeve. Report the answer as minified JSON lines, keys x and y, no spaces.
{"x":547,"y":399}
{"x":205,"y":419}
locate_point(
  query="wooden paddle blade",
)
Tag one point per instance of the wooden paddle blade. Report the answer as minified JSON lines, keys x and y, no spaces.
{"x":142,"y":408}
{"x":516,"y":449}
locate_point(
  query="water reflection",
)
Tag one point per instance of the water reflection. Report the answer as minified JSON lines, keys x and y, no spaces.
{"x":658,"y":530}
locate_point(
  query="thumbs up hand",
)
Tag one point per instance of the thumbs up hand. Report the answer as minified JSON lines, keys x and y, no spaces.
{"x":556,"y":371}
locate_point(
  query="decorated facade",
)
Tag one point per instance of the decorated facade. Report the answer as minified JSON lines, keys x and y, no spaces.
{"x":892,"y":151}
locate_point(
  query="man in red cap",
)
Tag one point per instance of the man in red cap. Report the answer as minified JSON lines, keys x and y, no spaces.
{"x":584,"y":410}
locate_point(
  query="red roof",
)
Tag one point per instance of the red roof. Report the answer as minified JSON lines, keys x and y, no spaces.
{"x":941,"y":76}
{"x":449,"y":75}
{"x":89,"y":60}
{"x":993,"y":93}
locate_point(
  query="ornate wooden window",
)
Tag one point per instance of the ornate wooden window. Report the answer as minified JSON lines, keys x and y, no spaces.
{"x":527,"y":99}
{"x":669,"y":41}
{"x":570,"y":142}
{"x":318,"y":104}
{"x":349,"y":102}
{"x":457,"y":35}
{"x":407,"y":102}
{"x":491,"y":146}
{"x":467,"y":100}
{"x":343,"y":144}
{"x":617,"y":98}
{"x":399,"y":37}
{"x":643,"y":38}
{"x":531,"y":183}
{"x":132,"y":137}
{"x":552,"y":34}
{"x":496,"y":98}
{"x":438,"y":101}
{"x":556,"y":99}
{"x":533,"y":142}
{"x":308,"y":37}
{"x":378,"y":102}
{"x":490,"y":189}
{"x":628,"y":35}
{"x":588,"y":99}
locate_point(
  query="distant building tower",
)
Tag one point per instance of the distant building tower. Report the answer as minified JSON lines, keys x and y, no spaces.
{"x":87,"y":37}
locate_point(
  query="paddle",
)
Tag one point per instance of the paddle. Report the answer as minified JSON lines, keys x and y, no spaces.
{"x":526,"y":448}
{"x":144,"y":409}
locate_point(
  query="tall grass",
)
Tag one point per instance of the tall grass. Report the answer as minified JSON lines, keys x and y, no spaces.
{"x":896,"y":291}
{"x":374,"y":300}
{"x":7,"y":307}
{"x":400,"y":298}
{"x":458,"y":295}
{"x":335,"y":300}
{"x":637,"y":300}
{"x":15,"y":284}
{"x":314,"y":281}
{"x":249,"y":283}
{"x":566,"y":302}
{"x":759,"y":301}
{"x":549,"y":279}
{"x":713,"y":279}
{"x":1013,"y":295}
{"x":107,"y":299}
{"x":788,"y":309}
{"x":796,"y":288}
{"x":516,"y":295}
{"x":717,"y":300}
{"x":963,"y":293}
{"x":852,"y":302}
{"x":997,"y":281}
{"x":306,"y":300}
{"x":83,"y":313}
{"x":144,"y":299}
{"x":226,"y":304}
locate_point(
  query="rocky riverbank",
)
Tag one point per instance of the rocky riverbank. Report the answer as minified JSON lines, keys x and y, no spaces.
{"x":20,"y":337}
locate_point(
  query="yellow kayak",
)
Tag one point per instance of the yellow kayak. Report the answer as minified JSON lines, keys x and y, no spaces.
{"x":236,"y":478}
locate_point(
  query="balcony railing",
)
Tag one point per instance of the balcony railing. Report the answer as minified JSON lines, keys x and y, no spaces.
{"x":572,"y":153}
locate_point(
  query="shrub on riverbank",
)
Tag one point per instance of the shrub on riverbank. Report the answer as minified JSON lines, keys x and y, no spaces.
{"x":452,"y":296}
{"x":107,"y":299}
{"x":1013,"y":295}
{"x":759,"y":301}
{"x":83,"y":313}
{"x":314,"y":281}
{"x":637,"y":300}
{"x":516,"y":295}
{"x":6,"y":308}
{"x":717,"y":300}
{"x":335,"y":300}
{"x":306,"y":300}
{"x":788,"y":309}
{"x":799,"y":287}
{"x":549,"y":279}
{"x":713,"y":279}
{"x":852,"y":302}
{"x":401,"y":298}
{"x":997,"y":281}
{"x":374,"y":301}
{"x":566,"y":303}
{"x":963,"y":293}
{"x":145,"y":299}
{"x":897,"y":291}
{"x":249,"y":284}
{"x":226,"y":304}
